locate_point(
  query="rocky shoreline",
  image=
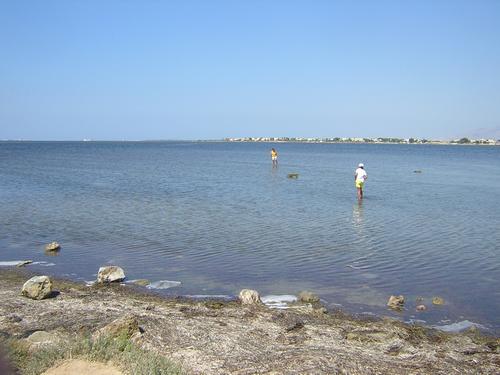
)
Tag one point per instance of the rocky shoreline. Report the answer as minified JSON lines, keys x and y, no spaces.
{"x":221,"y":337}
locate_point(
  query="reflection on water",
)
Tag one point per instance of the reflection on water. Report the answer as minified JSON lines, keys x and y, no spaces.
{"x":357,"y":216}
{"x":219,"y":218}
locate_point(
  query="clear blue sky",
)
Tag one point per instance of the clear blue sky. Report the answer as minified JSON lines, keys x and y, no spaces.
{"x":212,"y":69}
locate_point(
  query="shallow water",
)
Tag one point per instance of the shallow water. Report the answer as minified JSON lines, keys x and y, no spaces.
{"x":218,"y":218}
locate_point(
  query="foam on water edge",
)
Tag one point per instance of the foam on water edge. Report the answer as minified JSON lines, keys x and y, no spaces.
{"x":44,"y":264}
{"x":9,"y":263}
{"x":278,"y":301}
{"x":459,"y":326}
{"x":133,"y":281}
{"x":163,"y":284}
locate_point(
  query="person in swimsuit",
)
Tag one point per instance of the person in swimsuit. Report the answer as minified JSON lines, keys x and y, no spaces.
{"x":274,"y":157}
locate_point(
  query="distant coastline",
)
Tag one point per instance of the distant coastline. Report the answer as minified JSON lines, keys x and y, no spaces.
{"x":380,"y":140}
{"x":415,"y":141}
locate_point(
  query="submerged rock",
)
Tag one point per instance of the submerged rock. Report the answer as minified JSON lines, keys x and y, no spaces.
{"x":396,"y":302}
{"x":53,"y":246}
{"x":249,"y":297}
{"x":308,"y":297}
{"x":110,"y":274}
{"x":38,"y":287}
{"x":437,"y":301}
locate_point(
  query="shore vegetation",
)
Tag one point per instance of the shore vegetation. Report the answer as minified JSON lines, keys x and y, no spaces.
{"x":119,"y":351}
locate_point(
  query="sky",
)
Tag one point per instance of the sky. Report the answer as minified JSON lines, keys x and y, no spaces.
{"x":137,"y":70}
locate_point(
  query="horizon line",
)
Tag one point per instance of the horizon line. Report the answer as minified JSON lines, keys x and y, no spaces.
{"x":250,"y":139}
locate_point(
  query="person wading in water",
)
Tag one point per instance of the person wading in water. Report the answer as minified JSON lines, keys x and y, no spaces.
{"x":274,"y":157}
{"x":360,"y":176}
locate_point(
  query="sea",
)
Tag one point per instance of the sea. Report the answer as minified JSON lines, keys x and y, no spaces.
{"x":211,"y":218}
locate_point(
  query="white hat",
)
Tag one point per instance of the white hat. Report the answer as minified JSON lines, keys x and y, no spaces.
{"x":361,"y":165}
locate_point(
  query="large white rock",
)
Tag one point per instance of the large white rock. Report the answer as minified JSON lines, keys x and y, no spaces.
{"x":110,"y":274}
{"x":38,"y":287}
{"x":249,"y":297}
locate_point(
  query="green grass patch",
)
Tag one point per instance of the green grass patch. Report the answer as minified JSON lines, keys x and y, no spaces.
{"x":119,"y":351}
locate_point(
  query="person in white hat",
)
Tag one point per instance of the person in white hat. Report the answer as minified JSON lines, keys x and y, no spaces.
{"x":360,"y":176}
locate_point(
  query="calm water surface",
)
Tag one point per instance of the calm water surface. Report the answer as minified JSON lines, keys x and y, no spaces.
{"x":217,"y":217}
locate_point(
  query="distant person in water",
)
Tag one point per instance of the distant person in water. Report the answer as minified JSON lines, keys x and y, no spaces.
{"x":360,"y":176}
{"x":274,"y":157}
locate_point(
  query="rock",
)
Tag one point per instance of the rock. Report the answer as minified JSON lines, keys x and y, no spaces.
{"x":124,"y":327}
{"x":42,"y":338}
{"x":23,"y":263}
{"x":53,"y":246}
{"x":294,"y":325}
{"x":394,"y":347}
{"x":308,"y":297}
{"x":140,"y":282}
{"x":215,"y":305}
{"x":321,"y":311}
{"x":396,"y":302}
{"x":293,"y":175}
{"x":351,"y":336}
{"x":37,"y":287}
{"x":437,"y":301}
{"x":421,"y":308}
{"x":110,"y":274}
{"x":472,"y":329}
{"x":249,"y":297}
